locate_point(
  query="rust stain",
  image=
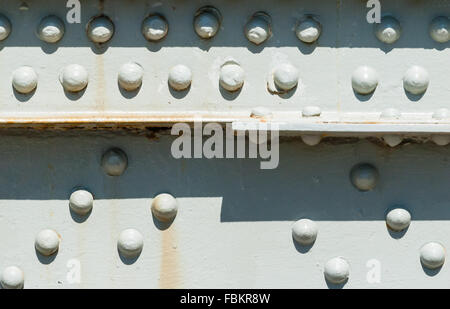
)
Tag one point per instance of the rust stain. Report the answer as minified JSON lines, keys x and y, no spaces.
{"x":169,"y":271}
{"x":100,"y":89}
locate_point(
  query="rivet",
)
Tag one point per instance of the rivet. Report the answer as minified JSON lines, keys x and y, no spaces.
{"x":441,"y":113}
{"x":305,"y":231}
{"x":100,"y":29}
{"x":432,"y":255}
{"x":337,"y":270}
{"x":207,"y":22}
{"x":164,"y":207}
{"x":12,"y":278}
{"x":24,"y":79}
{"x":440,"y":139}
{"x":5,"y":27}
{"x":285,"y":76}
{"x":51,"y":29}
{"x":364,"y":80}
{"x":388,"y":30}
{"x":260,"y":111}
{"x":398,"y":219}
{"x":308,"y":30}
{"x":180,"y":77}
{"x":311,"y":139}
{"x":114,"y":162}
{"x":81,"y":202}
{"x":392,"y":139}
{"x":311,"y":111}
{"x":258,"y":28}
{"x":74,"y":78}
{"x":416,"y":80}
{"x":130,"y":243}
{"x":231,"y":76}
{"x":390,"y":113}
{"x":439,"y":29}
{"x":155,"y":27}
{"x":364,"y":176}
{"x":47,"y":242}
{"x":130,"y":76}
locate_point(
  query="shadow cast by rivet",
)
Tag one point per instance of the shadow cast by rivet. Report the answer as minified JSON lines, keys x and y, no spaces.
{"x":128,"y":94}
{"x":23,"y":97}
{"x":100,"y":48}
{"x":128,"y":260}
{"x":229,"y":95}
{"x":335,"y":286}
{"x":79,"y":218}
{"x":74,"y":96}
{"x":255,"y":49}
{"x":44,"y":259}
{"x":49,"y":48}
{"x":286,"y":94}
{"x":396,"y":234}
{"x":178,"y":94}
{"x":430,"y":272}
{"x":386,"y":48}
{"x":154,"y":47}
{"x":160,"y":225}
{"x":414,"y":97}
{"x":302,"y":248}
{"x":363,"y":97}
{"x":306,"y":48}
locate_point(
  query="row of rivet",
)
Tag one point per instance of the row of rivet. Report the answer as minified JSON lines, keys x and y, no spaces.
{"x":207,"y":22}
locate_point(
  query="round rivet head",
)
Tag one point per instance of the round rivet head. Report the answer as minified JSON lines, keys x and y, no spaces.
{"x":51,"y":29}
{"x":24,"y":79}
{"x":47,"y":242}
{"x":392,"y":140}
{"x":439,"y":29}
{"x":130,"y":76}
{"x":416,"y":80}
{"x":305,"y":231}
{"x":231,"y":76}
{"x":364,"y":176}
{"x":114,"y":162}
{"x":74,"y":78}
{"x":155,"y":27}
{"x":100,"y":29}
{"x":285,"y":76}
{"x":130,"y":243}
{"x":337,"y":270}
{"x":164,"y":207}
{"x":432,"y":255}
{"x":398,"y":219}
{"x":5,"y":27}
{"x":364,"y":80}
{"x":180,"y":77}
{"x":81,"y":202}
{"x":390,"y":113}
{"x":308,"y":30}
{"x":258,"y":28}
{"x":311,"y":139}
{"x":440,"y":139}
{"x":12,"y":278}
{"x":207,"y":22}
{"x":260,"y":112}
{"x":388,"y":30}
{"x":311,"y":111}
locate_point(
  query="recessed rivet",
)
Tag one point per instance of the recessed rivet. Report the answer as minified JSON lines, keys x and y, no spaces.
{"x":364,"y":176}
{"x":416,"y":80}
{"x":81,"y":202}
{"x":164,"y":207}
{"x":12,"y":278}
{"x":114,"y":162}
{"x":155,"y":27}
{"x":337,"y":270}
{"x":439,"y":29}
{"x":311,"y":111}
{"x":311,"y":139}
{"x":432,"y":255}
{"x":388,"y":30}
{"x":24,"y":79}
{"x":74,"y":78}
{"x":305,"y":231}
{"x":392,"y":139}
{"x":47,"y":242}
{"x":51,"y":29}
{"x":364,"y":80}
{"x":180,"y":77}
{"x":258,"y":28}
{"x":390,"y":113}
{"x":285,"y":76}
{"x":100,"y":29}
{"x":207,"y":22}
{"x":130,"y":243}
{"x":308,"y":30}
{"x":5,"y":27}
{"x":231,"y":76}
{"x":130,"y":76}
{"x":440,"y":139}
{"x":260,"y":111}
{"x":440,"y":114}
{"x":398,"y":219}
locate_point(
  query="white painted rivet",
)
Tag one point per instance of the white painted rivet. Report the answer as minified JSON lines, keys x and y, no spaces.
{"x":398,"y":219}
{"x":231,"y":76}
{"x":207,"y":22}
{"x":308,"y":30}
{"x":364,"y":176}
{"x":311,"y":139}
{"x":81,"y":202}
{"x":130,"y":243}
{"x":47,"y":242}
{"x":285,"y":76}
{"x":311,"y":111}
{"x":164,"y":207}
{"x":24,"y":79}
{"x":51,"y":29}
{"x":432,"y":255}
{"x":258,"y":28}
{"x":392,"y":140}
{"x":364,"y":79}
{"x":260,"y":111}
{"x":441,"y":113}
{"x":5,"y":27}
{"x":305,"y":231}
{"x":130,"y":76}
{"x":155,"y":27}
{"x":388,"y":30}
{"x":416,"y":80}
{"x":440,"y":139}
{"x":439,"y":29}
{"x":390,"y":113}
{"x":114,"y":162}
{"x":74,"y":78}
{"x":12,"y":278}
{"x":100,"y":29}
{"x":180,"y":77}
{"x":337,"y":270}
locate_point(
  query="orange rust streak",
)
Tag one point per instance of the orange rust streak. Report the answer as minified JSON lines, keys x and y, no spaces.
{"x":170,"y":266}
